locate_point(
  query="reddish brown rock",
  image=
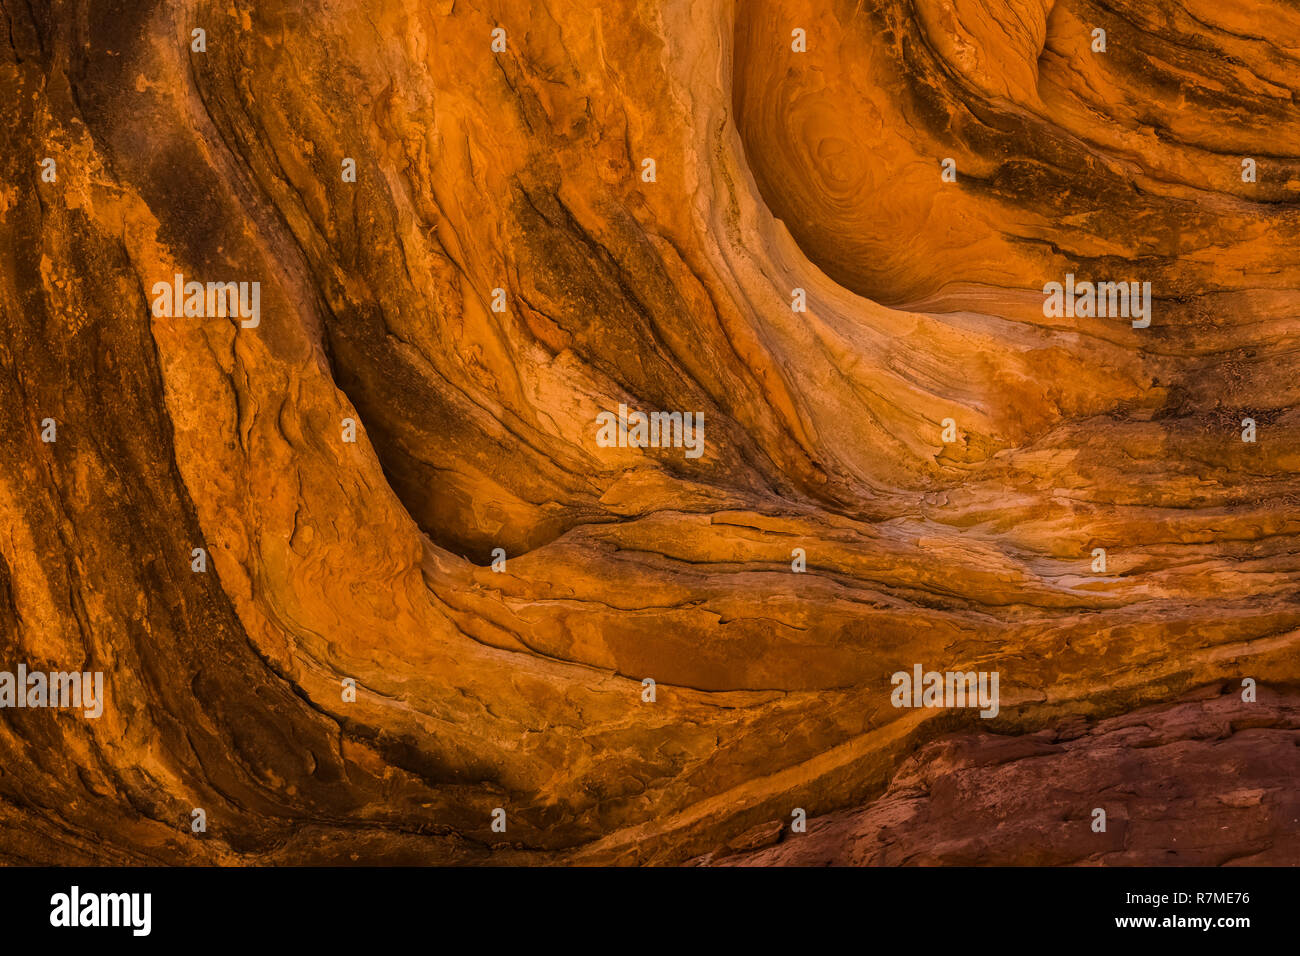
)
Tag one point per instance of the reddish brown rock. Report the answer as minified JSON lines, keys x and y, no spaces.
{"x":1208,"y":782}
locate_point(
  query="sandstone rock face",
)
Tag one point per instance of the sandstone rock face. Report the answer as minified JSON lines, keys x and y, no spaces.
{"x":1205,"y":782}
{"x":359,"y":650}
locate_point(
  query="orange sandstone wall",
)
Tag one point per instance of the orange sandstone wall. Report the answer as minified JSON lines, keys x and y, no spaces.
{"x":365,"y":579}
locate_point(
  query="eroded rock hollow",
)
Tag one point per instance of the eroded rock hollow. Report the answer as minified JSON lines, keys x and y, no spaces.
{"x":364,"y":574}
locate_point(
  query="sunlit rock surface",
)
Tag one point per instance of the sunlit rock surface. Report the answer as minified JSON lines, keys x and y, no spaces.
{"x":522,"y":169}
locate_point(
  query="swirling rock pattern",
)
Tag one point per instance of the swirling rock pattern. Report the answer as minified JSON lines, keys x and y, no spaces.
{"x":521,"y":168}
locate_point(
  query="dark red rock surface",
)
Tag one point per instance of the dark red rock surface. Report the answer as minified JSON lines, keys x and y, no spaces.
{"x":1205,"y":782}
